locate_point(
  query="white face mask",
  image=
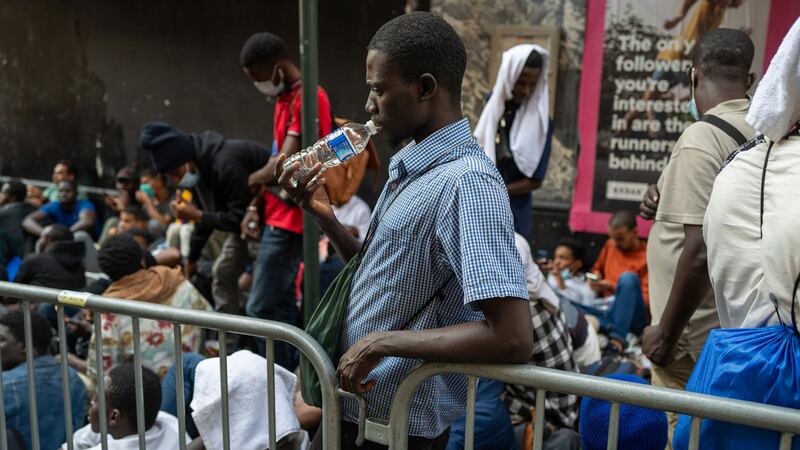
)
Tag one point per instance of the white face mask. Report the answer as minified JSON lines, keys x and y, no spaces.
{"x":269,"y":88}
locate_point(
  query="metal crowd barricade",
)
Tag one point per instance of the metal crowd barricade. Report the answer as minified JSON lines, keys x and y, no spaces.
{"x":699,"y":406}
{"x":223,"y":323}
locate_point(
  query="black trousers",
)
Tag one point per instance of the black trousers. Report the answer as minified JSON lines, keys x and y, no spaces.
{"x":350,"y":433}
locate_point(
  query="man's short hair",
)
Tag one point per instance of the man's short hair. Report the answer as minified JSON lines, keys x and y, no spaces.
{"x":578,"y":251}
{"x":534,"y":60}
{"x":262,"y":48}
{"x":41,"y":331}
{"x":58,"y":232}
{"x":420,"y":42}
{"x":17,"y":190}
{"x":724,"y":54}
{"x":122,"y":393}
{"x":72,"y":169}
{"x":622,"y":219}
{"x":120,"y":256}
{"x":137,"y":211}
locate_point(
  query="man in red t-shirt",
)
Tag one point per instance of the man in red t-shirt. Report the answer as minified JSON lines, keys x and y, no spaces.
{"x":265,"y":60}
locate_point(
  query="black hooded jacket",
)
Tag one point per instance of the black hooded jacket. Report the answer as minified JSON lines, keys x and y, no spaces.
{"x":222,"y":192}
{"x":58,"y":267}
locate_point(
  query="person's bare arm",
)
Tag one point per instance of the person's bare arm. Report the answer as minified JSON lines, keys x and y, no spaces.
{"x":151,"y":210}
{"x":689,"y":287}
{"x":309,"y":416}
{"x":505,"y":336}
{"x":523,"y":186}
{"x":86,"y":221}
{"x":170,"y":257}
{"x":76,"y":362}
{"x":31,"y":223}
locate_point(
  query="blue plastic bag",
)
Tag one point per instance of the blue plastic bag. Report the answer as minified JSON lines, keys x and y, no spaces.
{"x":756,"y":364}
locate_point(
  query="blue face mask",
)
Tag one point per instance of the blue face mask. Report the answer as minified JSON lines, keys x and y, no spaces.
{"x":565,"y":274}
{"x":693,"y":109}
{"x":189,"y":180}
{"x":692,"y":103}
{"x":147,"y":189}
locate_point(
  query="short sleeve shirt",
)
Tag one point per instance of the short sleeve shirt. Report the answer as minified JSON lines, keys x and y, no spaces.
{"x":685,"y":187}
{"x":443,"y":241}
{"x":55,"y":212}
{"x":748,"y":261}
{"x":288,"y":122}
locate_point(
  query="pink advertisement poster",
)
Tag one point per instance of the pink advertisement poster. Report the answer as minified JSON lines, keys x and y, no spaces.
{"x":635,"y":90}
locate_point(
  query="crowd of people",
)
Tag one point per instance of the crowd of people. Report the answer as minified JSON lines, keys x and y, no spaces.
{"x":442,"y":271}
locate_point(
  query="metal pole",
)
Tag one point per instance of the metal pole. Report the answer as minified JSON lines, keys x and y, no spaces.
{"x":308,"y":67}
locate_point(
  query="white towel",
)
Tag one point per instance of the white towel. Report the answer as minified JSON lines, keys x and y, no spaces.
{"x":529,"y":130}
{"x":247,"y":400}
{"x":776,"y":103}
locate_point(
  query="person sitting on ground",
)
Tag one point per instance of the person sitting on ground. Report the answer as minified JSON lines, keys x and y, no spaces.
{"x":77,"y":215}
{"x":639,"y":428}
{"x":622,"y":269}
{"x":154,"y":196}
{"x":121,"y":259}
{"x":59,"y":265}
{"x":13,"y":210}
{"x":569,"y":283}
{"x":131,"y":217}
{"x":127,"y":183}
{"x":161,"y":429}
{"x":63,"y":170}
{"x":47,"y":379}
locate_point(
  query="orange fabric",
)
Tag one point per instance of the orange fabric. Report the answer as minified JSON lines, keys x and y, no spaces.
{"x":612,"y":263}
{"x":342,"y":182}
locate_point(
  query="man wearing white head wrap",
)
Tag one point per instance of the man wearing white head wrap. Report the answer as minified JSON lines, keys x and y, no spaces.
{"x":514,"y":128}
{"x":750,"y":226}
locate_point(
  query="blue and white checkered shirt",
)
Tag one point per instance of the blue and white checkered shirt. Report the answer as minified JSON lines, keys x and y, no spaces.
{"x":443,"y":218}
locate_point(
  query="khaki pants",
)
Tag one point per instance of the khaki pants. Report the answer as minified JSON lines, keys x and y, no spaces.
{"x":674,"y":376}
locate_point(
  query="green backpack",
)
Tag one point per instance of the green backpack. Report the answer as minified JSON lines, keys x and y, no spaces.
{"x":325,"y":326}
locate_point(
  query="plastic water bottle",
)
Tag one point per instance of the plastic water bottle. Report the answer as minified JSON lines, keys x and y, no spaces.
{"x":334,"y":149}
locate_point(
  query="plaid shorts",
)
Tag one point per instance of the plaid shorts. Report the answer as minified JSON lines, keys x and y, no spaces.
{"x":552,"y":348}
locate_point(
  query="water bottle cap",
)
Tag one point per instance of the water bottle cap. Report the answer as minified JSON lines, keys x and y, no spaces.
{"x":371,"y":127}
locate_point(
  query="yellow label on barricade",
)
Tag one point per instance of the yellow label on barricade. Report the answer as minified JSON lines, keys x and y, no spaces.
{"x":73,"y":298}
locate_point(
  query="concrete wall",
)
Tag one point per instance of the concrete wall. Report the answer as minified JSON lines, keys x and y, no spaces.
{"x":79,"y":77}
